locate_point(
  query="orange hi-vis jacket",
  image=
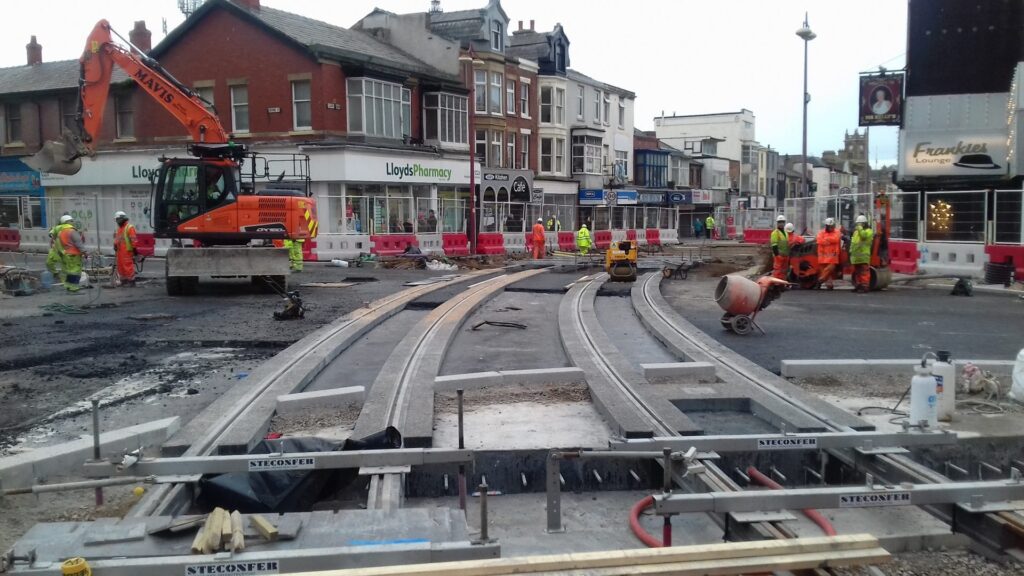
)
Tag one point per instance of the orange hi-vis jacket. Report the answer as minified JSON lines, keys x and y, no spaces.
{"x":828,"y":247}
{"x":538,"y":233}
{"x":70,"y":241}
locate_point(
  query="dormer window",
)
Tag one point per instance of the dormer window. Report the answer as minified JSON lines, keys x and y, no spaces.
{"x":559,"y":57}
{"x":497,"y":36}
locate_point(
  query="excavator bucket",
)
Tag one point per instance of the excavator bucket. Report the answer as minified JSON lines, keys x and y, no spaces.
{"x":58,"y":157}
{"x":52,"y":158}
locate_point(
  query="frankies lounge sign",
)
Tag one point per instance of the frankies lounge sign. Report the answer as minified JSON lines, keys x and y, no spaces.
{"x":946,"y":154}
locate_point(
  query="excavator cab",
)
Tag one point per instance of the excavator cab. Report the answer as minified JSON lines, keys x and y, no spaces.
{"x":188,"y":188}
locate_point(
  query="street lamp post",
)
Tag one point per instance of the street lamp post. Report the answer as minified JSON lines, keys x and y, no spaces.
{"x":474,"y":63}
{"x":806,"y":34}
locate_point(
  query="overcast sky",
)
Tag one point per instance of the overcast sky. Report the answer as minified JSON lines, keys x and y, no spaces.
{"x":678,"y":56}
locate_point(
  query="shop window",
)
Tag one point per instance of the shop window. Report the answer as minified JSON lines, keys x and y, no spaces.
{"x":955,"y":216}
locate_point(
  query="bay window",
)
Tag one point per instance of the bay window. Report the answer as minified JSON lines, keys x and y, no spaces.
{"x":586,"y":155}
{"x":510,"y":98}
{"x":445,"y":118}
{"x":495,"y":151}
{"x":480,"y":90}
{"x":552,"y":155}
{"x":497,"y":84}
{"x":377,"y":108}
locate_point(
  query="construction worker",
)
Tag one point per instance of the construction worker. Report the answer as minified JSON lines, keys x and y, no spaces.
{"x":779,"y":243}
{"x":294,"y":253}
{"x":124,"y":248}
{"x":72,"y":246}
{"x":538,"y":239}
{"x":860,"y":254}
{"x":55,"y":257}
{"x":709,"y":226}
{"x":829,"y":244}
{"x":554,"y":225}
{"x":583,"y":239}
{"x":792,"y":236}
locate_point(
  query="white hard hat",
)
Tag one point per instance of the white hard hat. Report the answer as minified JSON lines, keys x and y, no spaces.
{"x":862,"y":219}
{"x":790,"y":227}
{"x":540,"y":219}
{"x":120,"y":214}
{"x":830,"y":221}
{"x":583,"y":225}
{"x":65,"y":219}
{"x":780,"y":218}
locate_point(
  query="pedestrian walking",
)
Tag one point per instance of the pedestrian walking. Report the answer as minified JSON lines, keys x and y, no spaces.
{"x":125,"y":241}
{"x":72,"y":246}
{"x":779,"y":242}
{"x":583,"y":239}
{"x":698,"y":228}
{"x":860,"y":254}
{"x":538,"y":239}
{"x":709,"y":226}
{"x":55,"y":257}
{"x":829,"y":244}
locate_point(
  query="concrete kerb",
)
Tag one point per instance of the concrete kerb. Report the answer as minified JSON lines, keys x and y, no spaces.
{"x":888,"y":367}
{"x":331,"y":398}
{"x":23,"y":470}
{"x":680,"y":371}
{"x":477,"y":380}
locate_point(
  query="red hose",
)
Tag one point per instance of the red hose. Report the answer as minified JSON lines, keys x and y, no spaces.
{"x":634,"y":522}
{"x":812,"y":515}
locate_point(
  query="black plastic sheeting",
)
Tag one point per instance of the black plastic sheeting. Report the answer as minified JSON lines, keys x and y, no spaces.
{"x":288,"y":490}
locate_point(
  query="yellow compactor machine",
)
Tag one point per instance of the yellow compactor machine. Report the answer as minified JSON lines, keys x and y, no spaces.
{"x":620,"y":261}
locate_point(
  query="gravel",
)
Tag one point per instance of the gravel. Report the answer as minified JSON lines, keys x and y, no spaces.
{"x":945,"y":563}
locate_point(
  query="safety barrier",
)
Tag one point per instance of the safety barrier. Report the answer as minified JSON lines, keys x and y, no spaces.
{"x":1003,"y":254}
{"x":653,"y":236}
{"x":330,"y":246}
{"x":10,"y":239}
{"x":903,"y":256}
{"x":391,"y":244}
{"x":567,"y":241}
{"x":602,"y":239}
{"x":669,"y":236}
{"x":618,"y":235}
{"x":430,"y":243}
{"x":756,"y":236}
{"x":517,"y":242}
{"x":490,"y":243}
{"x":145,"y":244}
{"x":952,"y":258}
{"x":455,"y":244}
{"x":309,"y":251}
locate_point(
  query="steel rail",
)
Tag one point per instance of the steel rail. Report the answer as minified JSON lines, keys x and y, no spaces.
{"x":882,"y":465}
{"x":713,"y":477}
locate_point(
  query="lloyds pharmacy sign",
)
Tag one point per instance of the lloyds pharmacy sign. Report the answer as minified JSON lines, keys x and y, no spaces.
{"x":402,"y":171}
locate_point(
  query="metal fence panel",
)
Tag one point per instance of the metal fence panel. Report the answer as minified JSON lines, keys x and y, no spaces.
{"x":1008,"y":225}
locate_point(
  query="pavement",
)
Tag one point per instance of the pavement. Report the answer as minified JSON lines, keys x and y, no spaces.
{"x":896,"y":323}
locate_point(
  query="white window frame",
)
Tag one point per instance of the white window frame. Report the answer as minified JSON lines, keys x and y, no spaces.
{"x":510,"y":147}
{"x":597,"y":106}
{"x":497,"y":149}
{"x":550,"y":105}
{"x":236,"y":106}
{"x":510,"y":97}
{"x":606,"y":110}
{"x":581,"y":105}
{"x":447,"y":107}
{"x":481,"y":158}
{"x":497,"y":36}
{"x":119,"y":101}
{"x":524,"y":99}
{"x":622,"y":113}
{"x":206,"y":93}
{"x":560,"y":106}
{"x":560,"y":155}
{"x":589,"y":152}
{"x":495,"y":93}
{"x":623,"y":160}
{"x":295,"y":106}
{"x":524,"y":151}
{"x":391,"y":106}
{"x":480,"y":91}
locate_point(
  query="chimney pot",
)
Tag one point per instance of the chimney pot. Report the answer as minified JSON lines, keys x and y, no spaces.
{"x":140,"y":36}
{"x":520,"y":25}
{"x":531,"y":25}
{"x":252,"y":5}
{"x":34,"y":52}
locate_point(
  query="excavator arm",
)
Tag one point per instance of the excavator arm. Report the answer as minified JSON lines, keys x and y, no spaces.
{"x":97,"y":66}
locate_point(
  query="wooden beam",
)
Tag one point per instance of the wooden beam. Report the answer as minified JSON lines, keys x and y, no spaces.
{"x":264,"y":527}
{"x":813,"y":550}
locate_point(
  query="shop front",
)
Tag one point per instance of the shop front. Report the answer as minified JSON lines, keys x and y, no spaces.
{"x":21,"y":196}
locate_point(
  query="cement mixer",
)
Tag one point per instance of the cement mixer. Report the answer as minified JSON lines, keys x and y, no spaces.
{"x":742,"y":299}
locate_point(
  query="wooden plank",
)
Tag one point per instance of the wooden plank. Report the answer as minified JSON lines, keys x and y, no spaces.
{"x":225,"y":527}
{"x":264,"y":527}
{"x":198,"y":541}
{"x":211,"y":543}
{"x":828,"y":546}
{"x":237,"y":532}
{"x":753,"y":565}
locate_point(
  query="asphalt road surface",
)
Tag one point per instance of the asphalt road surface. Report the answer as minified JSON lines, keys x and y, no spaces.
{"x":896,"y":323}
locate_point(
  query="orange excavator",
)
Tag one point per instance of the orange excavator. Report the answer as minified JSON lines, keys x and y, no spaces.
{"x":220,"y":207}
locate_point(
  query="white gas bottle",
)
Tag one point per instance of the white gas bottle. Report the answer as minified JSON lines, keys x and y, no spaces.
{"x":945,"y":385}
{"x":923,"y":399}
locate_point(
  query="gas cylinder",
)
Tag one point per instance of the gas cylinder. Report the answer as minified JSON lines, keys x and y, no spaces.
{"x":945,"y":385}
{"x":923,"y":400}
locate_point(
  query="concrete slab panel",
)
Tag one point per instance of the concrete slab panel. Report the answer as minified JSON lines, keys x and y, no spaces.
{"x":471,"y":381}
{"x":888,"y":367}
{"x":332,"y":397}
{"x":22,"y":470}
{"x":688,"y":371}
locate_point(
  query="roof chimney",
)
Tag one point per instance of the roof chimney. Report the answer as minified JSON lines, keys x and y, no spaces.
{"x":252,"y":5}
{"x":34,"y":51}
{"x":140,"y":37}
{"x":531,"y":25}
